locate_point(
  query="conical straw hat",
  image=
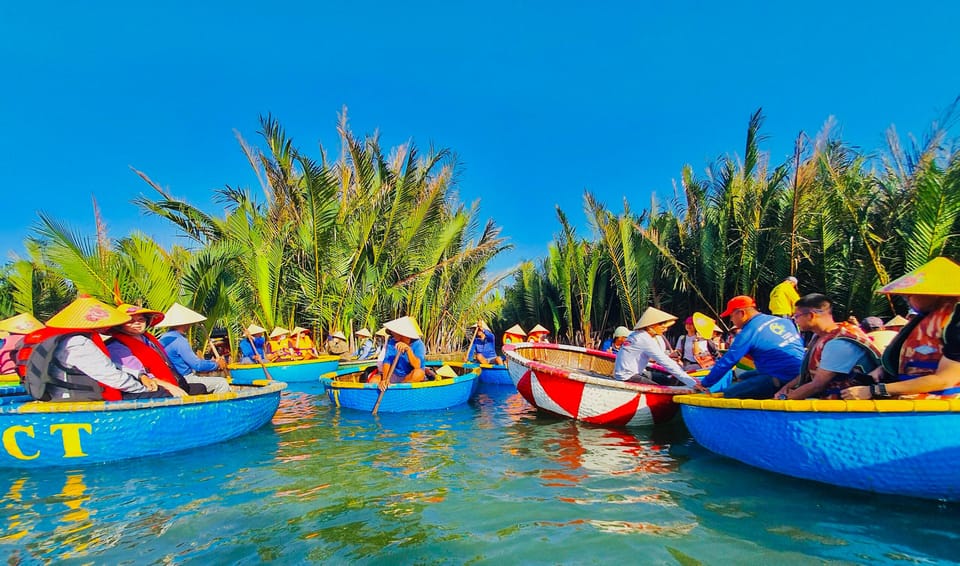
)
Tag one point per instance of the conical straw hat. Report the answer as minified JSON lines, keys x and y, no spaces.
{"x":896,"y":321}
{"x":446,"y":371}
{"x":298,"y":329}
{"x":539,"y":330}
{"x":404,"y":326}
{"x":179,"y":315}
{"x":254,"y":329}
{"x":516,"y":330}
{"x":87,"y":313}
{"x":939,"y":276}
{"x":382,"y":332}
{"x":23,"y":323}
{"x":279,"y":331}
{"x":363,"y":333}
{"x":130,"y":310}
{"x":704,"y":324}
{"x":653,"y":316}
{"x":336,"y":334}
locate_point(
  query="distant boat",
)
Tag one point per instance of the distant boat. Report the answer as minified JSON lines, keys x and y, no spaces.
{"x":299,"y":371}
{"x":493,"y":374}
{"x":38,"y":434}
{"x":346,"y":390}
{"x":578,"y":383}
{"x":896,"y":446}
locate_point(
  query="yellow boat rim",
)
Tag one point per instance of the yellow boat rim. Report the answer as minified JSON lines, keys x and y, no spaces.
{"x":288,"y":363}
{"x":717,"y":401}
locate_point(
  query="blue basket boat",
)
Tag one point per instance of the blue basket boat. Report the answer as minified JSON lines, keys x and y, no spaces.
{"x":346,"y":391}
{"x":39,"y":434}
{"x":897,"y":446}
{"x":300,"y":371}
{"x":493,"y":374}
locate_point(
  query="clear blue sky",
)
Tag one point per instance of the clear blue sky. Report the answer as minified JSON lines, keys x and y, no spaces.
{"x":540,"y":101}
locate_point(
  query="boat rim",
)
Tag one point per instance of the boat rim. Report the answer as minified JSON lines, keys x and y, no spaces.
{"x":717,"y":401}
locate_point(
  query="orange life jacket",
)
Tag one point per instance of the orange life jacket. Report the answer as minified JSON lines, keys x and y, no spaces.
{"x":811,"y":362}
{"x":918,"y":349}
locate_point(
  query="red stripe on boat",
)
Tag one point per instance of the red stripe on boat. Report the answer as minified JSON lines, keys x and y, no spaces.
{"x":526,"y":389}
{"x":662,"y":407}
{"x":563,"y":391}
{"x":620,"y":416}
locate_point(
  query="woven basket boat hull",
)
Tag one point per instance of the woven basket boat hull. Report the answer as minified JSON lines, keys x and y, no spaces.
{"x":289,"y":372}
{"x":405,"y":397}
{"x":494,"y":374}
{"x":901,"y":447}
{"x":39,"y":434}
{"x":577,"y":383}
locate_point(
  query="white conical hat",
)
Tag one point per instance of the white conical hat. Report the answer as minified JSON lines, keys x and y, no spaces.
{"x":279,"y":331}
{"x":404,"y":326}
{"x":539,"y":330}
{"x":179,"y":315}
{"x":298,"y":329}
{"x":653,"y":316}
{"x":254,"y":329}
{"x":621,"y":332}
{"x":339,"y":335}
{"x":897,"y":321}
{"x":363,"y":332}
{"x":382,"y":332}
{"x":515,"y":329}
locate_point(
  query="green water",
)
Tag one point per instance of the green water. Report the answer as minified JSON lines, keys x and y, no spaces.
{"x":491,"y":482}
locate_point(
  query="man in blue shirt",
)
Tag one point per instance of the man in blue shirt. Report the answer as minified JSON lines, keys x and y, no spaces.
{"x":179,"y":319}
{"x":484,"y":346}
{"x":771,"y":342}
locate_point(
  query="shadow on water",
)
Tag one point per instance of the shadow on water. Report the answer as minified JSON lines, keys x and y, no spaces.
{"x":489,"y":481}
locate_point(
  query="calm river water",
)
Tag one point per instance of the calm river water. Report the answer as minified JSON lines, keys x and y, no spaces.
{"x":489,"y":482}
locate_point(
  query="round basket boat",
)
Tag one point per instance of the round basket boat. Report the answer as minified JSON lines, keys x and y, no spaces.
{"x":347,"y":391}
{"x":300,"y":371}
{"x":902,"y":447}
{"x":39,"y":434}
{"x":493,"y":374}
{"x":578,"y":383}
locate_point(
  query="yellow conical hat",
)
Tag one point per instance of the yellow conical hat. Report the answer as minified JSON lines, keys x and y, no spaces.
{"x":939,"y":276}
{"x":130,"y":310}
{"x":363,"y":333}
{"x":516,"y":330}
{"x":704,"y":324}
{"x":382,"y":332}
{"x":179,"y":315}
{"x":896,"y":321}
{"x":87,"y":313}
{"x":23,"y":323}
{"x":653,"y":316}
{"x":538,"y":330}
{"x":404,"y":326}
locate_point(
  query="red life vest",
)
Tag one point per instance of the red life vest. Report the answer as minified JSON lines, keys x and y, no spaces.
{"x":30,"y":370}
{"x":811,"y":362}
{"x":150,"y":354}
{"x":922,"y":349}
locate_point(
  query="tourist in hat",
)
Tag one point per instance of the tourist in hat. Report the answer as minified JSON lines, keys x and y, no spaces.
{"x":696,"y":352}
{"x":783,"y":297}
{"x":614,"y":343}
{"x":253,"y":353}
{"x":404,"y":351}
{"x":484,"y":346}
{"x":337,"y":344}
{"x":278,"y":345}
{"x":17,"y":327}
{"x":896,"y":323}
{"x":641,"y":347}
{"x":365,"y":346}
{"x":773,"y":345}
{"x":137,"y":351}
{"x":178,"y":319}
{"x":877,"y":332}
{"x":836,"y":355}
{"x":514,"y":335}
{"x":83,"y":369}
{"x":302,"y":344}
{"x":924,"y":357}
{"x":538,"y":334}
{"x":380,"y":341}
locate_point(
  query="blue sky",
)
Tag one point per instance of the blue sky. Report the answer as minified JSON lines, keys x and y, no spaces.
{"x":540,"y":101}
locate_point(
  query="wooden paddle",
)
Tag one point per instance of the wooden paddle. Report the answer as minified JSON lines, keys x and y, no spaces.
{"x":254,"y":346}
{"x":386,"y":379}
{"x":218,"y":357}
{"x":473,"y":340}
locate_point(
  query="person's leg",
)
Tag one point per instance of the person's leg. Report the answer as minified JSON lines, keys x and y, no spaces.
{"x":756,"y":387}
{"x":158,"y":394}
{"x":213,"y":384}
{"x":481,"y":359}
{"x":414,"y":376}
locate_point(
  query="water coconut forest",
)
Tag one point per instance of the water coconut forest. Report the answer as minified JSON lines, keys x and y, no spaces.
{"x":376,"y":233}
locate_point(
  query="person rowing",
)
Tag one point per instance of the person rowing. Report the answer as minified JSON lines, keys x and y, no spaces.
{"x":641,"y":347}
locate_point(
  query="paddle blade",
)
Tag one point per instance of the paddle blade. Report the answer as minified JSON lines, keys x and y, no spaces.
{"x":704,"y":325}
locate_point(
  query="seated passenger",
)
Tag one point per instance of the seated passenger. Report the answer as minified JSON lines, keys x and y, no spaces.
{"x":18,"y":327}
{"x":641,"y":347}
{"x":179,"y":319}
{"x":278,"y":346}
{"x":81,"y":368}
{"x":538,"y":334}
{"x":619,"y":337}
{"x":252,"y":344}
{"x":514,"y":335}
{"x":404,"y":352}
{"x":771,"y":342}
{"x":484,"y":346}
{"x":365,"y":348}
{"x":880,"y":336}
{"x":836,"y":350}
{"x":138,"y":352}
{"x":337,"y":344}
{"x":695,"y":352}
{"x":924,"y":358}
{"x":302,"y":344}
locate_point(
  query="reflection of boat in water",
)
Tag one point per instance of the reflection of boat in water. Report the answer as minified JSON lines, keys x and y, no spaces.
{"x":299,"y":371}
{"x":346,"y":390}
{"x":901,"y":447}
{"x":493,"y":374}
{"x":577,"y":383}
{"x":38,"y":434}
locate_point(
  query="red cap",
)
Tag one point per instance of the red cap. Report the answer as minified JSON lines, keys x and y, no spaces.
{"x":738,"y":302}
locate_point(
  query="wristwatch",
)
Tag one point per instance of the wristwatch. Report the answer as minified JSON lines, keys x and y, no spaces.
{"x":879,"y":391}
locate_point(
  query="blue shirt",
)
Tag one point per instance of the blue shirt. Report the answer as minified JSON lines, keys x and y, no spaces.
{"x":403,"y":364}
{"x":246,"y":350}
{"x":182,"y":356}
{"x":484,"y":345}
{"x":366,"y":350}
{"x":772,"y":342}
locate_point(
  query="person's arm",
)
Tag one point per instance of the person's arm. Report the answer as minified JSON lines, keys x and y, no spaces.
{"x":85,"y":356}
{"x":740,"y":347}
{"x":672,"y":367}
{"x":946,"y":376}
{"x":182,"y":347}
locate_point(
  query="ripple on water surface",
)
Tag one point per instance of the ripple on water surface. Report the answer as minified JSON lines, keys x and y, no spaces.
{"x":490,"y":481}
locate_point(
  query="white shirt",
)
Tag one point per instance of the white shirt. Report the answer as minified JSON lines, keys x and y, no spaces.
{"x":638,"y":349}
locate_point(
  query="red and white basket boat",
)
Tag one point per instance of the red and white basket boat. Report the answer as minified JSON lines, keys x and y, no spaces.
{"x":578,"y":383}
